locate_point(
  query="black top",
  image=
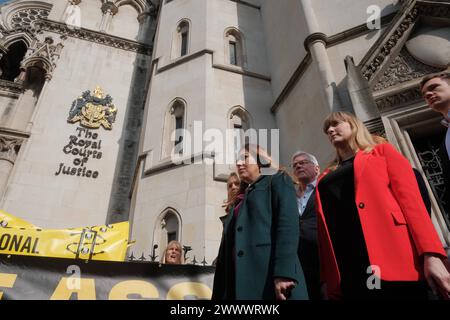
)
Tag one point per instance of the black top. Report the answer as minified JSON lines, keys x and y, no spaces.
{"x":344,"y":226}
{"x":337,"y":194}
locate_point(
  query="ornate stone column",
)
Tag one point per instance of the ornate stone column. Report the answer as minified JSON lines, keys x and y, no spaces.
{"x":363,"y":103}
{"x":21,"y":77}
{"x":36,"y":109}
{"x":315,"y":44}
{"x":45,"y":56}
{"x":360,"y":93}
{"x":109,"y":10}
{"x":3,"y":51}
{"x":69,"y":3}
{"x":9,"y":148}
{"x":143,"y":17}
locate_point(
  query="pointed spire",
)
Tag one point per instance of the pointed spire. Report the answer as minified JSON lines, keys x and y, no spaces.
{"x":360,"y":93}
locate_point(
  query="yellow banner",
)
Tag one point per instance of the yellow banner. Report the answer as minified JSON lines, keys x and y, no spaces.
{"x":107,"y":243}
{"x":9,"y":221}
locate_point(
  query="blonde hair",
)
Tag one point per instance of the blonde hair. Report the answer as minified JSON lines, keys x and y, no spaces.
{"x":379,"y":139}
{"x":179,"y":246}
{"x":360,"y":140}
{"x":227,"y":204}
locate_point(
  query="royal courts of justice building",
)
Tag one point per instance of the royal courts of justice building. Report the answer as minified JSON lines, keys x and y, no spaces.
{"x":91,"y":91}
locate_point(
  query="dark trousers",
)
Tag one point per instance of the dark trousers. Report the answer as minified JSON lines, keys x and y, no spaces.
{"x":309,"y":259}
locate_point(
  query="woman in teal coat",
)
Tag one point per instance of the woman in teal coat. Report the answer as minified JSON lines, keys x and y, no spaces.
{"x":258,"y":252}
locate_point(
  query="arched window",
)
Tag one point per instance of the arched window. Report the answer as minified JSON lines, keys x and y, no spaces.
{"x":91,"y":14}
{"x":35,"y":79}
{"x":234,"y":49}
{"x":171,"y":226}
{"x":180,"y":46}
{"x":24,"y":18}
{"x":240,"y":123}
{"x":32,"y":81}
{"x":177,"y":114}
{"x":167,"y":228}
{"x":10,"y":62}
{"x":126,"y":16}
{"x":174,"y":126}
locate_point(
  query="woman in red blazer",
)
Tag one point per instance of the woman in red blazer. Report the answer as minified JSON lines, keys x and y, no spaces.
{"x":376,"y":240}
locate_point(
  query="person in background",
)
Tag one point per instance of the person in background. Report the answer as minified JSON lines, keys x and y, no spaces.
{"x":235,"y":191}
{"x":173,"y":254}
{"x":306,"y":171}
{"x":376,"y":239}
{"x":436,"y":92}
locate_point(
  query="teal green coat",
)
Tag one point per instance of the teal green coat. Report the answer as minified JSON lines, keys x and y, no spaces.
{"x":266,"y":235}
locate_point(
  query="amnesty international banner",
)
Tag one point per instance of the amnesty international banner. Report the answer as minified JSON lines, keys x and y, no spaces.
{"x":41,"y":278}
{"x":40,"y":264}
{"x":19,"y":237}
{"x":9,"y":221}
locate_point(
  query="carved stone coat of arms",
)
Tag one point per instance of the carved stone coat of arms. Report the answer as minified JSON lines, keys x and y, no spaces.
{"x":93,"y":110}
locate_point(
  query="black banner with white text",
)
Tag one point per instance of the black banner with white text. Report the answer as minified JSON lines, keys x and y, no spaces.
{"x":40,"y":278}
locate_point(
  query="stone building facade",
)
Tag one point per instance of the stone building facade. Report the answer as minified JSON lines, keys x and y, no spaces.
{"x":156,"y":66}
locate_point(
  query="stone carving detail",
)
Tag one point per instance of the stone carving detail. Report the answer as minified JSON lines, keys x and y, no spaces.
{"x":12,"y":87}
{"x":93,"y":110}
{"x":109,"y":7}
{"x":433,"y":9}
{"x":403,"y":68}
{"x":9,"y":148}
{"x":44,"y":54}
{"x":385,"y":50}
{"x":416,"y":9}
{"x":390,"y":102}
{"x":376,"y":127}
{"x":5,"y":33}
{"x":93,"y":36}
{"x":153,"y":11}
{"x":24,"y":18}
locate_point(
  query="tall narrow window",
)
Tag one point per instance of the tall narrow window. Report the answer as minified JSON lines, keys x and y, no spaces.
{"x":171,"y":226}
{"x":174,"y":125}
{"x":184,"y":43}
{"x":240,"y":124}
{"x":181,"y":40}
{"x":179,"y":135}
{"x":233,"y":53}
{"x":168,"y":229}
{"x":234,"y":47}
{"x":171,"y":236}
{"x":238,"y":133}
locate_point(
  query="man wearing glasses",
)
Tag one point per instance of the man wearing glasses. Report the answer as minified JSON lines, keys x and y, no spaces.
{"x":306,"y":169}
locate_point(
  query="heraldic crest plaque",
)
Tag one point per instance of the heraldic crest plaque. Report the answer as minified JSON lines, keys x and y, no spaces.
{"x":93,"y":111}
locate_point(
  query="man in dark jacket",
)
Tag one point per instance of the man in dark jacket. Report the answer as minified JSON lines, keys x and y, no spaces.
{"x":306,"y":169}
{"x":436,"y":92}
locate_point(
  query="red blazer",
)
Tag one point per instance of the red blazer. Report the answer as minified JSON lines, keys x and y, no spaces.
{"x":395,"y":223}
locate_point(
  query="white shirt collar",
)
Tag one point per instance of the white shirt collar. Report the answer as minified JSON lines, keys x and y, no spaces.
{"x":446,"y":121}
{"x":312,"y":185}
